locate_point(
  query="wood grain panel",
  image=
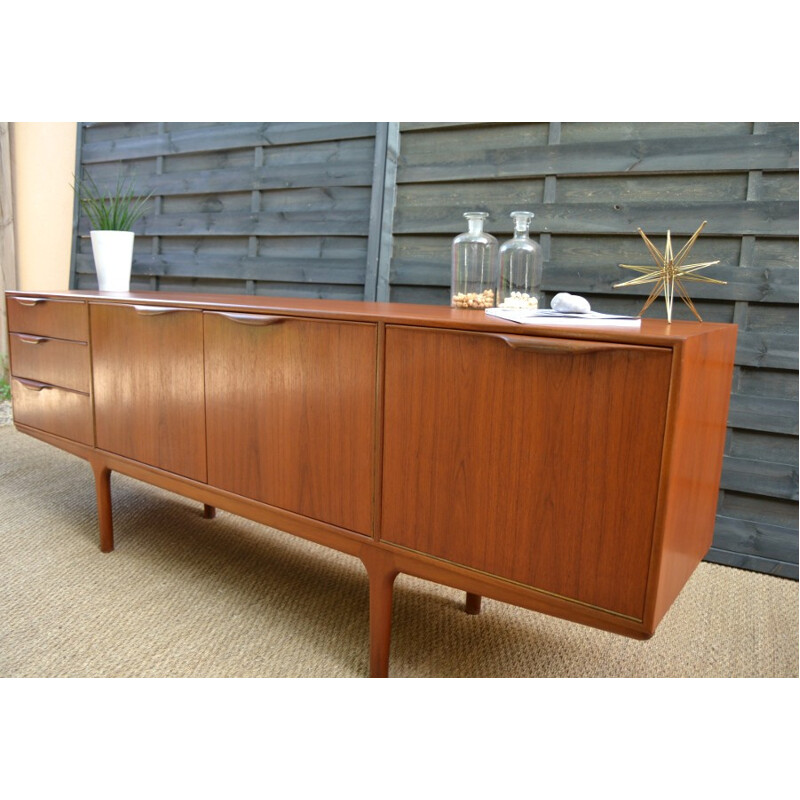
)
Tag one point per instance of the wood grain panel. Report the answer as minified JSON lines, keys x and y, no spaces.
{"x":338,"y":163}
{"x":757,"y":218}
{"x":63,"y":319}
{"x":221,"y":137}
{"x":148,"y":386}
{"x":52,"y":409}
{"x":55,"y":361}
{"x":541,"y":468}
{"x":698,"y":410}
{"x":481,"y":154}
{"x":291,"y":422}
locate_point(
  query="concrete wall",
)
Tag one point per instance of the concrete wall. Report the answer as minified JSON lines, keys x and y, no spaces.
{"x":42,"y":169}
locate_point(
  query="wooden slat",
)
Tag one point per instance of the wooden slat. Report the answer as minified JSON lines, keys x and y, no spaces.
{"x":432,"y":126}
{"x":767,"y":350}
{"x":332,"y":223}
{"x":767,"y":218}
{"x":243,"y":267}
{"x":478,"y":160}
{"x":772,"y":414}
{"x":760,"y":477}
{"x":762,"y":446}
{"x":763,"y":540}
{"x":590,"y":132}
{"x":223,"y":137}
{"x":770,"y":566}
{"x":347,"y":163}
{"x":754,"y":285}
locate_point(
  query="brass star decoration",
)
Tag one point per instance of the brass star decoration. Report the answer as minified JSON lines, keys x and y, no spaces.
{"x":670,"y":273}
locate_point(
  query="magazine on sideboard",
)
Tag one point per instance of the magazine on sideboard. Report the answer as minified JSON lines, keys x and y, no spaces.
{"x":566,"y":318}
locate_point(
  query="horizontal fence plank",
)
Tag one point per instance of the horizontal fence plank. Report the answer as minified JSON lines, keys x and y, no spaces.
{"x":671,"y":188}
{"x":760,"y":477}
{"x":756,"y":218}
{"x":777,"y":350}
{"x":768,"y":414}
{"x":465,"y":160}
{"x":762,"y":446}
{"x":576,"y":251}
{"x":347,"y":163}
{"x":756,"y":538}
{"x":242,"y":267}
{"x":332,"y":223}
{"x":427,"y":126}
{"x":329,"y":291}
{"x":234,"y":287}
{"x":586,"y":132}
{"x":768,"y":566}
{"x":222,"y":137}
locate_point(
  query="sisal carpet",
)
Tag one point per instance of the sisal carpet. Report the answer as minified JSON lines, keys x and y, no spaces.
{"x":184,"y":597}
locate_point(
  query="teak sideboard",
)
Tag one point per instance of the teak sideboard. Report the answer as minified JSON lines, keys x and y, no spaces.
{"x":571,"y":471}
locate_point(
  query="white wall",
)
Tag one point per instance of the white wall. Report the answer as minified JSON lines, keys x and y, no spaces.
{"x":42,"y":170}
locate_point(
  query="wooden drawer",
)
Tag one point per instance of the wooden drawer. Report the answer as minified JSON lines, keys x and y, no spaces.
{"x":62,"y":412}
{"x":62,"y":319}
{"x":54,"y":361}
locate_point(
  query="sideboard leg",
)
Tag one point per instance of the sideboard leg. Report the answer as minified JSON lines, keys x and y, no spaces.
{"x":209,"y":512}
{"x":381,"y":580}
{"x":473,"y":603}
{"x":102,"y":483}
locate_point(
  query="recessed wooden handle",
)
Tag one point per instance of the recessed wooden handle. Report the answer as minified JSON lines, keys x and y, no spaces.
{"x":152,"y":311}
{"x":249,"y":319}
{"x":30,"y":301}
{"x":537,"y":344}
{"x":28,"y":339}
{"x":34,"y":386}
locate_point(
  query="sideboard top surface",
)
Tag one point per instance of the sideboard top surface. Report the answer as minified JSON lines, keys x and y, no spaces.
{"x":652,"y":332}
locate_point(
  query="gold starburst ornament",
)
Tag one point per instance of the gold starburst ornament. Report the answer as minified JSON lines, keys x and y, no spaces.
{"x":670,"y":273}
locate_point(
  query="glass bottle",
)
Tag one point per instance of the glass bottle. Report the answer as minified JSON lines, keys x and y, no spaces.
{"x":520,"y":283}
{"x":474,"y":279}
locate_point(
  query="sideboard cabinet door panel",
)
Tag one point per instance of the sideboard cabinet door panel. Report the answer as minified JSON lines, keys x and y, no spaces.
{"x":147,"y":364}
{"x":535,"y":460}
{"x":290,"y":404}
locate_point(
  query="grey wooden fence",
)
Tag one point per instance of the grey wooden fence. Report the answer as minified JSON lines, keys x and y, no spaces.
{"x":368,"y":210}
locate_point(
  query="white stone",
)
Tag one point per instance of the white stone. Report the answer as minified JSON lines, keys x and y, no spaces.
{"x":574,"y":303}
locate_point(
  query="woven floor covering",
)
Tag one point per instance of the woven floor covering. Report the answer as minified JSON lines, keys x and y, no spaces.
{"x":185,"y":597}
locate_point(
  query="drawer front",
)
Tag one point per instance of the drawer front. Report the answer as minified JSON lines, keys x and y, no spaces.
{"x":54,"y":361}
{"x":59,"y":411}
{"x":62,"y":319}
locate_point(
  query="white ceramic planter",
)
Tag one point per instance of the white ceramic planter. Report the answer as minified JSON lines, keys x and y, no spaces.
{"x":113,"y":257}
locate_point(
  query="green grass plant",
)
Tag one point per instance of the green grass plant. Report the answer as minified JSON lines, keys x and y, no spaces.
{"x":5,"y":387}
{"x":115,"y":211}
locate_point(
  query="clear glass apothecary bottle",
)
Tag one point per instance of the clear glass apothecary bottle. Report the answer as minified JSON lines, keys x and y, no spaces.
{"x":520,"y":284}
{"x":474,"y":279}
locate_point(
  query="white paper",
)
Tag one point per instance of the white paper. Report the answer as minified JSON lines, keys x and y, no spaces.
{"x":574,"y":319}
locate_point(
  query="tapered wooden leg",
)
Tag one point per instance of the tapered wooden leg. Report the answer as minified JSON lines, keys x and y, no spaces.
{"x":209,"y":512}
{"x":381,"y":580}
{"x":473,"y":603}
{"x":102,"y":483}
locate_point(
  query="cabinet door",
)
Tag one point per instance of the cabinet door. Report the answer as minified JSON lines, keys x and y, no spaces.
{"x":291,"y":419}
{"x":533,"y":459}
{"x":147,"y":363}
